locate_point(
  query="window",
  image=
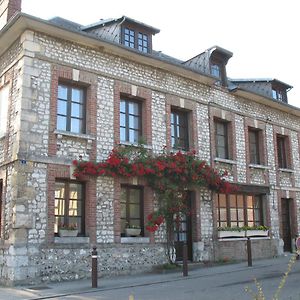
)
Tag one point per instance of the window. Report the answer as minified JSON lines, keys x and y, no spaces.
{"x":69,"y":205}
{"x":254,"y":146}
{"x":71,"y":108}
{"x":279,"y":94}
{"x":4,"y":93}
{"x":239,"y":210}
{"x":179,"y":130}
{"x":143,"y":42}
{"x":215,"y":70}
{"x":221,"y":135}
{"x":130,"y":121}
{"x":129,"y":38}
{"x":282,"y":144}
{"x":135,"y":39}
{"x":131,"y":207}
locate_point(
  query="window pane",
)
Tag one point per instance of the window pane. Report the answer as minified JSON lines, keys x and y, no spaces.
{"x":73,"y":208}
{"x":134,"y":196}
{"x":122,"y":134}
{"x":223,"y":215}
{"x":75,"y":191}
{"x":62,"y":107}
{"x":122,"y":120}
{"x":123,"y":210}
{"x":249,"y":201}
{"x":62,"y":92}
{"x":233,"y":214}
{"x":122,"y":106}
{"x":77,"y":95}
{"x":232,"y":200}
{"x":222,"y":200}
{"x":133,"y":136}
{"x":76,"y":125}
{"x":134,"y":210}
{"x":133,"y":108}
{"x":76,"y":110}
{"x":133,"y":122}
{"x":240,"y":201}
{"x":61,"y":123}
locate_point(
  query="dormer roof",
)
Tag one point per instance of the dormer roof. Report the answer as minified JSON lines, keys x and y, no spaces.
{"x":106,"y":22}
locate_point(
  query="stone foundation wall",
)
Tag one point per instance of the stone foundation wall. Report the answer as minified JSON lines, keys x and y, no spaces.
{"x":71,"y":262}
{"x":237,"y":250}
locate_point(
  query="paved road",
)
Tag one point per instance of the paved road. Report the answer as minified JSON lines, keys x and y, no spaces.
{"x":224,"y":282}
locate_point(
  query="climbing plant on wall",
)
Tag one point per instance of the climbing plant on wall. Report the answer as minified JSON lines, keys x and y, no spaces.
{"x":170,"y":175}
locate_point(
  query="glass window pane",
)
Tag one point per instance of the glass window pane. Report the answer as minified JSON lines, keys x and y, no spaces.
{"x":240,"y":214}
{"x":59,"y":190}
{"x":133,"y":122}
{"x":123,"y":106}
{"x":61,"y":123}
{"x":250,"y":215}
{"x":122,"y":120}
{"x":76,"y":110}
{"x":122,"y":134}
{"x":133,"y":136}
{"x":249,"y":201}
{"x":134,"y":196}
{"x":75,"y":125}
{"x":75,"y":191}
{"x":134,"y":210}
{"x":232,"y":200}
{"x":59,"y":207}
{"x":133,"y":108}
{"x":233,"y":214}
{"x":77,"y":95}
{"x":222,"y":200}
{"x":123,"y":225}
{"x":240,"y":201}
{"x":223,"y":214}
{"x":62,"y":107}
{"x":62,"y":92}
{"x":73,"y":205}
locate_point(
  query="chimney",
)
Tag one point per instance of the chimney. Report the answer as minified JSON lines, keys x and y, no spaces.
{"x":8,"y":9}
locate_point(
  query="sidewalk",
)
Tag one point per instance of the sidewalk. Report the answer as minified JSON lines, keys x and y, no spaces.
{"x":83,"y":287}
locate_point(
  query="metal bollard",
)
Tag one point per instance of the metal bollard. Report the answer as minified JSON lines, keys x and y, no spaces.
{"x":249,"y":252}
{"x":185,"y":265}
{"x":94,"y":268}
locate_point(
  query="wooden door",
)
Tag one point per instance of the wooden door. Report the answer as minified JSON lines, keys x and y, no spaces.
{"x":286,"y":224}
{"x":183,"y":234}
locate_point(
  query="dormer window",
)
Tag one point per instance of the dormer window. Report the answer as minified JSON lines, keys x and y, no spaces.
{"x":136,"y":39}
{"x":129,"y":38}
{"x":143,"y":44}
{"x":217,"y":69}
{"x":278,"y":94}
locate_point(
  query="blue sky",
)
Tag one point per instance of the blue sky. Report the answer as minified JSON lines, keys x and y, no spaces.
{"x":262,"y":34}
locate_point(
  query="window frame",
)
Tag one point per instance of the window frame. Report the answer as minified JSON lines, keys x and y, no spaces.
{"x":255,"y":146}
{"x":69,"y":101}
{"x":182,"y":116}
{"x":282,"y":143}
{"x":242,"y":219}
{"x":137,"y":31}
{"x":66,"y":199}
{"x":225,"y":137}
{"x":128,"y":218}
{"x":127,"y":127}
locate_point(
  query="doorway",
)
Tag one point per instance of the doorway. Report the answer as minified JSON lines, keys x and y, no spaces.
{"x":183,"y":233}
{"x":286,"y":224}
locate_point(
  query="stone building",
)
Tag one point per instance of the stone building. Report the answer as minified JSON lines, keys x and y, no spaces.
{"x":69,"y":91}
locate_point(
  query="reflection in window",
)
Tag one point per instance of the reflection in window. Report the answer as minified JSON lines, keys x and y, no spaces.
{"x":179,"y":130}
{"x":70,"y":109}
{"x":221,"y":133}
{"x":129,"y":38}
{"x":143,"y":42}
{"x":239,"y":210}
{"x":69,"y":205}
{"x":131,"y":207}
{"x":130,"y":121}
